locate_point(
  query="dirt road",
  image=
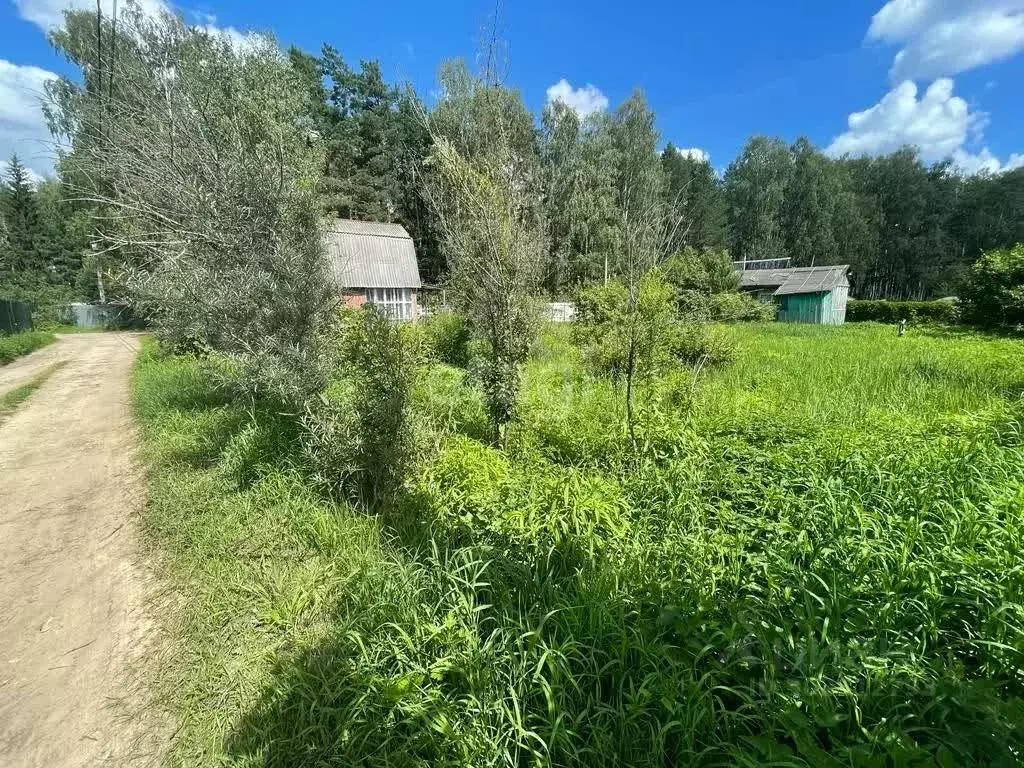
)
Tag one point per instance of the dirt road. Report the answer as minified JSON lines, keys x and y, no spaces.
{"x":72,"y":611}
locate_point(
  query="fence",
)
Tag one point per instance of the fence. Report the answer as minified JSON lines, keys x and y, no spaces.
{"x":15,"y":316}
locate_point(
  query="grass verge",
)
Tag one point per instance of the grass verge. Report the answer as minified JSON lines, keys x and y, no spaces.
{"x":18,"y":344}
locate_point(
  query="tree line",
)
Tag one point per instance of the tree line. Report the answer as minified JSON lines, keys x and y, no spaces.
{"x":908,"y":230}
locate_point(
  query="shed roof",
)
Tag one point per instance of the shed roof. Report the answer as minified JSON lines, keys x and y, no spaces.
{"x":794,"y":280}
{"x":371,"y":254}
{"x":764,"y":278}
{"x":814,"y":280}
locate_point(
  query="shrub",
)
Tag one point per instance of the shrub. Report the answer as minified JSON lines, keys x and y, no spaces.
{"x":664,"y":339}
{"x":233,"y":258}
{"x":447,"y":338}
{"x":358,"y":438}
{"x":17,"y":344}
{"x":940,"y":312}
{"x":724,"y":307}
{"x":994,"y":292}
{"x":605,"y":326}
{"x":698,"y":344}
{"x":707,"y":271}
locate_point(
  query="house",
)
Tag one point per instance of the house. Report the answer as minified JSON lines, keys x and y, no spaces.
{"x":376,"y":263}
{"x":803,"y":294}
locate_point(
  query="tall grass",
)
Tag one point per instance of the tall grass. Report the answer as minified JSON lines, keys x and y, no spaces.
{"x":19,"y":344}
{"x":816,"y":560}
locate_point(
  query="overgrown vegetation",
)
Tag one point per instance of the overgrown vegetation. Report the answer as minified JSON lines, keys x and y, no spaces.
{"x":812,"y":561}
{"x":945,"y":312}
{"x":16,"y":345}
{"x":468,"y":544}
{"x":994,"y":292}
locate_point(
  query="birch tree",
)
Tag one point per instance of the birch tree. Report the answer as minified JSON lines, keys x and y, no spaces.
{"x":485,"y":189}
{"x":646,"y":223}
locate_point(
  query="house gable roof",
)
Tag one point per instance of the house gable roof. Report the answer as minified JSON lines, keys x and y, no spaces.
{"x":371,"y":254}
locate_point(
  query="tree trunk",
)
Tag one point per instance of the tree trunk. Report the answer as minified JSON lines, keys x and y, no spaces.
{"x":630,"y":371}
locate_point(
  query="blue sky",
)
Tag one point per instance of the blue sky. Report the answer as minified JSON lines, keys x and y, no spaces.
{"x":947,"y":75}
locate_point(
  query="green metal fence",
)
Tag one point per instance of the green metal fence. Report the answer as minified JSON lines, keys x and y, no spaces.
{"x":15,"y":316}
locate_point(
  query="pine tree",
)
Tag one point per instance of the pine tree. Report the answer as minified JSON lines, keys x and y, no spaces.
{"x":21,"y":217}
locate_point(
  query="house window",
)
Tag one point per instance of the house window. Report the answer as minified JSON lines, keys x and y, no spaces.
{"x":396,"y":302}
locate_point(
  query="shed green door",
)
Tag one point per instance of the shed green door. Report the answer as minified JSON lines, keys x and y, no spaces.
{"x":803,"y":308}
{"x":826,"y":308}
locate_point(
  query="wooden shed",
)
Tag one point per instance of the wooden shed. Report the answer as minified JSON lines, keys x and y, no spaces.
{"x":376,"y":263}
{"x":802,"y":294}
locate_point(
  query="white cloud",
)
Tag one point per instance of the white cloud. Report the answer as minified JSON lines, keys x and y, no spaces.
{"x":945,"y":37}
{"x":585,"y":101}
{"x":48,"y":14}
{"x":695,"y":153}
{"x":241,"y":42}
{"x":985,"y":161}
{"x":939,"y":124}
{"x":22,"y":125}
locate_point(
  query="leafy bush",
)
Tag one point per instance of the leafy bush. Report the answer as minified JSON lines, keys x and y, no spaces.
{"x":707,"y":289}
{"x":357,"y":434}
{"x":699,"y":344}
{"x":447,"y":336}
{"x":17,"y":344}
{"x":604,"y":326}
{"x":707,"y":271}
{"x":940,"y":312}
{"x":994,"y":292}
{"x":725,"y":307}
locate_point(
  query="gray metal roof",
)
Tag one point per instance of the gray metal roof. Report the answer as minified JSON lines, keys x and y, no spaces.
{"x":795,"y":280}
{"x":371,"y":254}
{"x":814,"y":280}
{"x":764,"y":278}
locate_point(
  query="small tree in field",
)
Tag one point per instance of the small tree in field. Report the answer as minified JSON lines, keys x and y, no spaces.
{"x":646,"y":224}
{"x":203,"y":178}
{"x":484,"y":188}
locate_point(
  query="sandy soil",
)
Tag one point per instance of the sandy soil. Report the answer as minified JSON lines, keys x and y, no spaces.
{"x":24,"y":369}
{"x":72,"y":588}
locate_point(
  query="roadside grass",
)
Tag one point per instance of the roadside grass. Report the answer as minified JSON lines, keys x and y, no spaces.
{"x":815,"y":560}
{"x":67,"y":329}
{"x":18,"y":344}
{"x":10,"y":400}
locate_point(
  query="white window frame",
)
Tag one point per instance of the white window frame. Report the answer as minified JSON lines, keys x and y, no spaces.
{"x":396,"y":302}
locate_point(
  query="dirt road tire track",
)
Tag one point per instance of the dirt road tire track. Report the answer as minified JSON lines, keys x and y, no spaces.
{"x":73,"y":612}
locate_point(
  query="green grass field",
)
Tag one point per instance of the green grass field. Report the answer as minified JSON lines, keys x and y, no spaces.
{"x":814,"y":558}
{"x":18,"y":344}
